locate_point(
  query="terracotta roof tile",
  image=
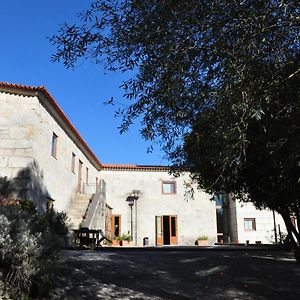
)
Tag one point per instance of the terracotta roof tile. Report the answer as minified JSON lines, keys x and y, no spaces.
{"x":129,"y":167}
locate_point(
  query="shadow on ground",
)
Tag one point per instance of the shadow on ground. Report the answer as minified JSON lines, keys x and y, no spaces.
{"x":176,"y":275}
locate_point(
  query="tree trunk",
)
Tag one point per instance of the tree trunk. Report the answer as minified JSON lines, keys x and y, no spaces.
{"x":293,"y":234}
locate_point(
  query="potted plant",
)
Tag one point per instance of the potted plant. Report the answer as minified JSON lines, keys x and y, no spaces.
{"x":124,"y":239}
{"x":127,"y":239}
{"x":202,"y":240}
{"x":120,"y":239}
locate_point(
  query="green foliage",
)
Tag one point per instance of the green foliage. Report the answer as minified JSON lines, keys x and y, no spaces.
{"x":124,"y":237}
{"x":216,"y":83}
{"x":202,"y":237}
{"x":29,"y":246}
{"x":27,"y":205}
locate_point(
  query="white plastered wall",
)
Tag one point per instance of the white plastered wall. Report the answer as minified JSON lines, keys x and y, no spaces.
{"x":195,"y":217}
{"x":264,"y":222}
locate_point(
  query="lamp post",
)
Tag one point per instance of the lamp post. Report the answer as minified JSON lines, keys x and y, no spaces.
{"x":132,"y":201}
{"x":136,"y":194}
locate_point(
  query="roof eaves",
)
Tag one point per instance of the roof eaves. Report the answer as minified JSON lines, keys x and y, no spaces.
{"x":13,"y":88}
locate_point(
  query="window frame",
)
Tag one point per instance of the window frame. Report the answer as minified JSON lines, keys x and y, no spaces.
{"x":174,"y":192}
{"x":73,"y":162}
{"x":54,"y":142}
{"x":253,"y":222}
{"x":87,"y":175}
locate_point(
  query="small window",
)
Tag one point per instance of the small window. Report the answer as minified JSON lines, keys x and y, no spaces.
{"x":249,"y":224}
{"x":169,"y":187}
{"x":73,"y":162}
{"x":54,"y":145}
{"x":97,"y":182}
{"x":87,"y":176}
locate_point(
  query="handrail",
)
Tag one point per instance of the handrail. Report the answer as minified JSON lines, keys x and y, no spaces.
{"x":95,"y":216}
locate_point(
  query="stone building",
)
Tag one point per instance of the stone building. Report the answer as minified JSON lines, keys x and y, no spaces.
{"x":161,"y":209}
{"x":46,"y":160}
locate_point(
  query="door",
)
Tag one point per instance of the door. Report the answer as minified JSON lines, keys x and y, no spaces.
{"x":173,"y":230}
{"x":166,"y":230}
{"x":79,"y":184}
{"x":159,"y":230}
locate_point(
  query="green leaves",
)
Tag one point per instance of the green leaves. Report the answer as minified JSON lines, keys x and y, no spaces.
{"x":216,"y":83}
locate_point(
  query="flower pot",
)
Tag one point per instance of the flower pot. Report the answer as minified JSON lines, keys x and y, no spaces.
{"x":202,"y":242}
{"x":115,"y":243}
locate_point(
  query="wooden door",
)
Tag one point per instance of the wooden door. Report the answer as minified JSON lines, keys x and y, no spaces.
{"x":173,"y":230}
{"x":159,"y":230}
{"x":166,"y":230}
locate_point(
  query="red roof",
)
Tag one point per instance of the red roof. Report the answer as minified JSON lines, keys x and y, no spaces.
{"x":15,"y":88}
{"x":128,"y":167}
{"x":19,"y":88}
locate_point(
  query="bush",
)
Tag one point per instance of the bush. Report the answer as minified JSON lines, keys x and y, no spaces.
{"x":29,"y":246}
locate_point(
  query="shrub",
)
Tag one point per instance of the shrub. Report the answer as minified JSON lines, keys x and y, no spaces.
{"x":29,"y":246}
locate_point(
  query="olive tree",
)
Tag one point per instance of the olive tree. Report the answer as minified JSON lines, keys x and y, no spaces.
{"x":215,"y":82}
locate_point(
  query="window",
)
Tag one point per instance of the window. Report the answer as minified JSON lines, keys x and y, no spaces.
{"x":169,"y":187}
{"x":54,"y":145}
{"x":249,"y":224}
{"x":49,"y":204}
{"x":73,"y":162}
{"x":87,"y":176}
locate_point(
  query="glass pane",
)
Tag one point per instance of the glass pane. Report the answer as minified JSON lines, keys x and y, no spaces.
{"x":168,"y":187}
{"x":249,"y":224}
{"x":220,"y":220}
{"x":219,"y":200}
{"x":173,"y":226}
{"x":159,"y":226}
{"x":53,"y":144}
{"x":117,"y":226}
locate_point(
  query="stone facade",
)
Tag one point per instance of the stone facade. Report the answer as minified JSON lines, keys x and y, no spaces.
{"x":193,"y":216}
{"x":44,"y":157}
{"x":29,"y":118}
{"x":253,"y":225}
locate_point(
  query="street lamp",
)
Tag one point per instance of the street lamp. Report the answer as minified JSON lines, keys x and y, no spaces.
{"x":131,"y":202}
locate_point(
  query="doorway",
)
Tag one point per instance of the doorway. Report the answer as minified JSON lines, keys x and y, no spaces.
{"x":166,"y":230}
{"x":79,"y":182}
{"x":116,"y":226}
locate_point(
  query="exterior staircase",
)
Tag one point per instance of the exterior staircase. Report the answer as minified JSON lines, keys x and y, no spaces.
{"x":78,"y":209}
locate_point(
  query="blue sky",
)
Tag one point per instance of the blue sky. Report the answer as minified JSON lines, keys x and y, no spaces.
{"x":25,"y":59}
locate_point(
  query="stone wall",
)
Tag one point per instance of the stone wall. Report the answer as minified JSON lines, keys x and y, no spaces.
{"x":27,"y":124}
{"x":195,"y":217}
{"x":264,"y":224}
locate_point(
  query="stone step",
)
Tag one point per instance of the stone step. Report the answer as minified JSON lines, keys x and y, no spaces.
{"x":77,"y":209}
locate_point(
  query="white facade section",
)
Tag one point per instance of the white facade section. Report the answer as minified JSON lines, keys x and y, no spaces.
{"x":195,"y":217}
{"x":242,"y":213}
{"x":27,"y":125}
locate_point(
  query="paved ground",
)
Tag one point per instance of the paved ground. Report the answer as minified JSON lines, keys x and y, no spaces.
{"x":177,"y":274}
